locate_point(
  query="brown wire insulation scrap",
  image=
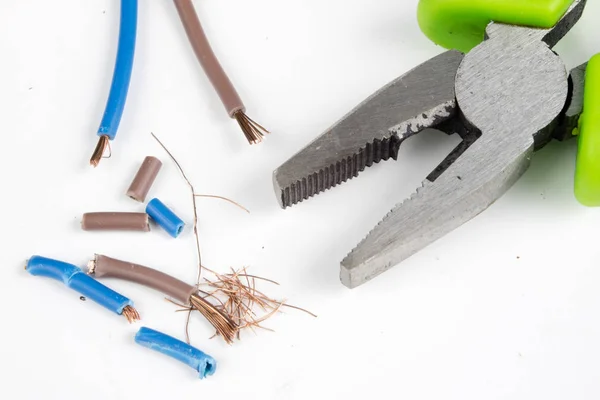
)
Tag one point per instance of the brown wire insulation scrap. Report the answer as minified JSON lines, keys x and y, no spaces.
{"x":106,"y":267}
{"x":215,"y":73}
{"x":144,"y":178}
{"x":115,"y":221}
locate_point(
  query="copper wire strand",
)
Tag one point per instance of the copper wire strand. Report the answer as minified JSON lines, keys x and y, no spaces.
{"x":131,"y":314}
{"x":253,"y":131}
{"x":236,"y":311}
{"x":199,"y":255}
{"x":260,"y":278}
{"x":187,"y":325}
{"x":98,"y":154}
{"x":223,"y":198}
{"x":183,"y":306}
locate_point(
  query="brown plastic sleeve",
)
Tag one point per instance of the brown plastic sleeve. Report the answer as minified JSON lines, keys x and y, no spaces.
{"x":207,"y":58}
{"x":141,"y":184}
{"x":115,"y":221}
{"x":104,"y":266}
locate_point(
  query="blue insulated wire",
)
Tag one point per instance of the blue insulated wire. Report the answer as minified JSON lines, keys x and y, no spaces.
{"x":165,"y":344}
{"x":122,"y":72}
{"x":164,"y":217}
{"x":74,"y":278}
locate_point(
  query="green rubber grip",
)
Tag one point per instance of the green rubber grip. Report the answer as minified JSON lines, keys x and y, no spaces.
{"x":587,"y":174}
{"x":460,"y":24}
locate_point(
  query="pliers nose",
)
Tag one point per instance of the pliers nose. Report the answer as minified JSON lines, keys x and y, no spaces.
{"x":373,"y":131}
{"x":506,"y":98}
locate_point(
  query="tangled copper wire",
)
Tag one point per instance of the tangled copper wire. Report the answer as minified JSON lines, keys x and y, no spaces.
{"x":229,"y":303}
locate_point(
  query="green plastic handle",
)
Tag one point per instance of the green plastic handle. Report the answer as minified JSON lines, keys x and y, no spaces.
{"x":460,"y":24}
{"x":587,"y":174}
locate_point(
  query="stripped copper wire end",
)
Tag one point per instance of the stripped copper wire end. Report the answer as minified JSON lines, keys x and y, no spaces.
{"x":222,"y":323}
{"x":131,"y":314}
{"x":98,"y":154}
{"x":253,"y":131}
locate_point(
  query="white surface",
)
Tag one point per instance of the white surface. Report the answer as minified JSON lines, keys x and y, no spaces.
{"x":504,"y":307}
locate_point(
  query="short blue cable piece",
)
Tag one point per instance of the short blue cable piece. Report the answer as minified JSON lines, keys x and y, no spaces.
{"x":165,"y":344}
{"x":164,"y":217}
{"x":121,"y":78}
{"x":74,"y":278}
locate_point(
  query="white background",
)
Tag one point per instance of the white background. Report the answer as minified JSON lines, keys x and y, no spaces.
{"x":506,"y":307}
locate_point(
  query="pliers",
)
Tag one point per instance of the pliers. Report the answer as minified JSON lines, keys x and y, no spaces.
{"x":506,"y":98}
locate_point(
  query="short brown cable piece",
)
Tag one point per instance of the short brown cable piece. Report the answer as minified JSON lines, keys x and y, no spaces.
{"x":115,"y":221}
{"x":98,"y":154}
{"x":144,"y":178}
{"x":253,"y":131}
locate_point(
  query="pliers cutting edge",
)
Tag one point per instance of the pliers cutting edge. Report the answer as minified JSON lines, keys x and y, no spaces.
{"x":506,"y":98}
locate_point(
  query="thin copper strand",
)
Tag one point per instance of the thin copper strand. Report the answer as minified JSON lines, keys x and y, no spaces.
{"x":108,"y":146}
{"x":193,"y":203}
{"x":210,"y":196}
{"x":187,"y":325}
{"x":299,"y":309}
{"x":177,"y":303}
{"x":260,"y":278}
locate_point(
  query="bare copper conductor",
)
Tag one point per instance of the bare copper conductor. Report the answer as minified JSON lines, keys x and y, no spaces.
{"x":103,"y":144}
{"x":131,"y":314}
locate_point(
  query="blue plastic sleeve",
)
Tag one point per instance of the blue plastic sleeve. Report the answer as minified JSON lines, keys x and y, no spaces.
{"x":165,"y":344}
{"x":164,"y":217}
{"x":122,"y":72}
{"x":74,"y":278}
{"x":95,"y":291}
{"x":49,"y":268}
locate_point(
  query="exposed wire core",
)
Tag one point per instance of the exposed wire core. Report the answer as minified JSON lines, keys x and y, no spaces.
{"x":98,"y":154}
{"x":253,"y":131}
{"x":131,"y":314}
{"x":215,"y":73}
{"x":223,"y":324}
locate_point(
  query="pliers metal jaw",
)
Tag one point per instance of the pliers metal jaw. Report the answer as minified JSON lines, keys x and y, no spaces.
{"x":506,"y":98}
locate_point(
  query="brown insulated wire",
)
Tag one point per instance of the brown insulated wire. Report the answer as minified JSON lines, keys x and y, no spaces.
{"x":106,"y":267}
{"x":141,"y":184}
{"x":217,"y":76}
{"x":115,"y":221}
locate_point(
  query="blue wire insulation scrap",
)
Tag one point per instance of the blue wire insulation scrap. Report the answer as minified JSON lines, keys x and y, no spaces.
{"x":122,"y":72}
{"x":74,"y":278}
{"x":164,"y":217}
{"x":165,"y":344}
